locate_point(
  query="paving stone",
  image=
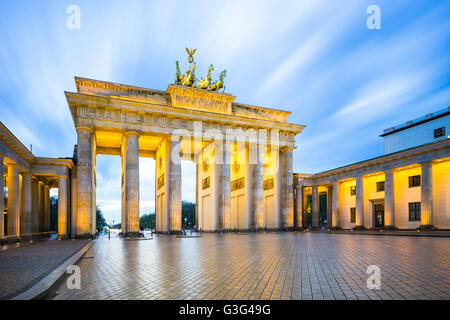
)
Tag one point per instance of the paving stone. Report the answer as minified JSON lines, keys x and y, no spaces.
{"x":265,"y":266}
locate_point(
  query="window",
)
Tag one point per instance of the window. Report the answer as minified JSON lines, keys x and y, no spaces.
{"x":414,"y":211}
{"x":414,"y":181}
{"x":380,"y":186}
{"x":352,"y":215}
{"x":353,"y":190}
{"x":439,"y":132}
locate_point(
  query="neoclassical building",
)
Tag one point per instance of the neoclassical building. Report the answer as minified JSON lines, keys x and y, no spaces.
{"x":244,"y":161}
{"x":243,"y":155}
{"x":406,"y":188}
{"x":27,"y":180}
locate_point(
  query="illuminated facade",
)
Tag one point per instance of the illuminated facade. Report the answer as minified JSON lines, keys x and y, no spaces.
{"x":28,"y":179}
{"x":243,"y":154}
{"x":244,"y":160}
{"x":408,"y":188}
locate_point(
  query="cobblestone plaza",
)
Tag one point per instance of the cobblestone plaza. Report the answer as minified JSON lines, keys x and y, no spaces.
{"x":286,"y":265}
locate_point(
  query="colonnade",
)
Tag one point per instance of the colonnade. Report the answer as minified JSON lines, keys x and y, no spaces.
{"x":389,"y":199}
{"x":168,"y":179}
{"x":27,"y":208}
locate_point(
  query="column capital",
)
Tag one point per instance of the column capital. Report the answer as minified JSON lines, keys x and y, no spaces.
{"x":390,"y":170}
{"x":127,"y":133}
{"x":86,"y":128}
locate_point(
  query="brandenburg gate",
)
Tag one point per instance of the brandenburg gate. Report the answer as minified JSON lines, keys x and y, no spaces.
{"x":243,"y":154}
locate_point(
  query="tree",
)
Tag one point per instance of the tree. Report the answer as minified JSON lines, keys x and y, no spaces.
{"x":147,"y":221}
{"x":101,"y":222}
{"x":53,"y":213}
{"x":188,"y":214}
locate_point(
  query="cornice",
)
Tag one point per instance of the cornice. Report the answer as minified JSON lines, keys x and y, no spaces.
{"x":170,"y":111}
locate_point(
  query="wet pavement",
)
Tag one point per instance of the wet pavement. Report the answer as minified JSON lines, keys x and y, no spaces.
{"x":286,"y":265}
{"x":23,"y":264}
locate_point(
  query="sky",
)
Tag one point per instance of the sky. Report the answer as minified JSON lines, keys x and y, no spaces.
{"x":318,"y":59}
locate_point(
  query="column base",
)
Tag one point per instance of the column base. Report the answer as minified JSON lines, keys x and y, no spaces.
{"x":12,"y":239}
{"x":427,"y":227}
{"x":336,"y":228}
{"x":132,"y":235}
{"x":84,"y":236}
{"x":389,"y":228}
{"x":359,"y":228}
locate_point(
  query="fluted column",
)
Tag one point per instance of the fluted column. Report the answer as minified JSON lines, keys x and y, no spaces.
{"x":73,"y":204}
{"x":62,"y":207}
{"x":223,"y":151}
{"x":359,"y":203}
{"x":26,"y":218}
{"x":130,"y":171}
{"x":335,"y":205}
{"x":426,"y":203}
{"x":315,"y":207}
{"x":46,"y":208}
{"x":299,"y":207}
{"x":2,"y":195}
{"x":329,"y":206}
{"x":13,"y":201}
{"x":41,"y":207}
{"x":256,"y":155}
{"x":389,"y":221}
{"x":35,"y":204}
{"x":174,"y":187}
{"x":85,"y":181}
{"x":287,"y":206}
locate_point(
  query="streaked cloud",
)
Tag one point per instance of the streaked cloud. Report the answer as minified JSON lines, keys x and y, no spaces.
{"x":314,"y":58}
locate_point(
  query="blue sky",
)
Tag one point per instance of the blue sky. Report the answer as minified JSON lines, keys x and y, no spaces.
{"x":317,"y":59}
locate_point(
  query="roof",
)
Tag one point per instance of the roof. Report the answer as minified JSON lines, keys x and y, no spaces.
{"x":415,"y":122}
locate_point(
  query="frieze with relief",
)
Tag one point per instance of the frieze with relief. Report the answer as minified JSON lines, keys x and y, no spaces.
{"x":238,"y":184}
{"x":268,"y":184}
{"x":206,"y":183}
{"x":160,"y":182}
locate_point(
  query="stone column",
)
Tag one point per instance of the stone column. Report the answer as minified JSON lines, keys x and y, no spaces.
{"x":46,"y":208}
{"x":223,"y":152}
{"x":315,"y":207}
{"x":287,"y":205}
{"x":335,"y":205}
{"x":174,"y":187}
{"x":35,"y":204}
{"x":41,"y":207}
{"x":196,"y":196}
{"x":130,"y":171}
{"x":426,"y":203}
{"x":329,"y":206}
{"x":299,"y":207}
{"x":26,"y":218}
{"x":256,"y":155}
{"x":389,"y":199}
{"x":13,"y":202}
{"x":85,"y":181}
{"x":359,"y":204}
{"x":73,"y":207}
{"x":62,"y":207}
{"x":2,"y":195}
